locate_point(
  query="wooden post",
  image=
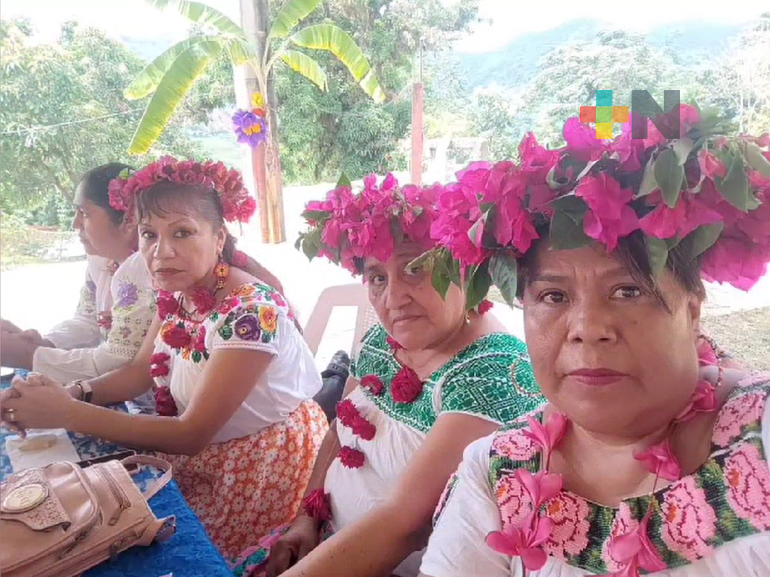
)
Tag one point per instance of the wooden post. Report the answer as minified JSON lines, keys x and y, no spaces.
{"x":418,"y":133}
{"x":265,"y":165}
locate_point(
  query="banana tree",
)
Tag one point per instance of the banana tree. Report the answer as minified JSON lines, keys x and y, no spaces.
{"x":170,"y":76}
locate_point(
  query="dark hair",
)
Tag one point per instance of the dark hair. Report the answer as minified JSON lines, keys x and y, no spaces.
{"x":94,"y":186}
{"x":632,"y":254}
{"x":192,"y":199}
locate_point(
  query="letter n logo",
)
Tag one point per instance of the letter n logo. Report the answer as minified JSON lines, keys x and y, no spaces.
{"x":665,"y":119}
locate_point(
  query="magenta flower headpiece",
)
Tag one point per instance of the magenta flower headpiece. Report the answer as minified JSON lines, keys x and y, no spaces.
{"x":347,"y":228}
{"x":709,"y":188}
{"x":237,"y":205}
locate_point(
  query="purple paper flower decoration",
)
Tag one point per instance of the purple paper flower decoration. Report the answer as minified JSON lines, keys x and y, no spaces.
{"x":250,"y":127}
{"x":247,"y":328}
{"x":127,"y":295}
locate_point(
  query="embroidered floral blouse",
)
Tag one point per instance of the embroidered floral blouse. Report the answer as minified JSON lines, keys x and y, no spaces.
{"x":253,"y":317}
{"x":490,"y":379}
{"x":115,"y":311}
{"x":712,"y":523}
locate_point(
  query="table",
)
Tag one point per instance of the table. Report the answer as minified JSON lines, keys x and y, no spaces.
{"x":189,"y":553}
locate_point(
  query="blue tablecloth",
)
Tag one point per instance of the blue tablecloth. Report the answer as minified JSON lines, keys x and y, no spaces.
{"x":189,"y":553}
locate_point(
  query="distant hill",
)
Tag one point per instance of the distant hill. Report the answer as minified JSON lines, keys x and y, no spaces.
{"x":147,"y":49}
{"x":516,"y":64}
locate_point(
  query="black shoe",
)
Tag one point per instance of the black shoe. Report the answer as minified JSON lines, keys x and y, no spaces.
{"x":338,"y":366}
{"x":334,"y":379}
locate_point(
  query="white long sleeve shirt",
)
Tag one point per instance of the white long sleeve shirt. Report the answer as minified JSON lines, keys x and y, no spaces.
{"x":115,"y":311}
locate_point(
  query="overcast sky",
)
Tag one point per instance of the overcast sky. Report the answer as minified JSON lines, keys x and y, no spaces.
{"x":510,"y":18}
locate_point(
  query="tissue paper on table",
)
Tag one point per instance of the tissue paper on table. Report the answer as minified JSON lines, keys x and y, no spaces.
{"x":24,"y":455}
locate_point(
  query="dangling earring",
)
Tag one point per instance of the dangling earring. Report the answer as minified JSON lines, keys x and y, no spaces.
{"x":221,"y":272}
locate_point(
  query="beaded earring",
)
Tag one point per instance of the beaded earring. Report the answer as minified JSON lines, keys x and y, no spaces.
{"x":221,"y":272}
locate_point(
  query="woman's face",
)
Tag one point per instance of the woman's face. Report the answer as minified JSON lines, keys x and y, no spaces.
{"x":99,"y":233}
{"x":180,"y":248}
{"x":406,"y":303}
{"x":605,"y":351}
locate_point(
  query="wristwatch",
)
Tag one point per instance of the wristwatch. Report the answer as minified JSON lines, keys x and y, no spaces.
{"x":86,"y":392}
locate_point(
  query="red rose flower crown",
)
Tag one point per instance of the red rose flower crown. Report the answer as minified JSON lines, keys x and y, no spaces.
{"x":237,"y":204}
{"x":708,"y":188}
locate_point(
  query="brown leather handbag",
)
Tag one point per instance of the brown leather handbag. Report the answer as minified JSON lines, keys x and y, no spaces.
{"x":61,"y":520}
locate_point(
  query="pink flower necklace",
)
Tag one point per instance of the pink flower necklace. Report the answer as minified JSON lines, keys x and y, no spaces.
{"x":633,"y":550}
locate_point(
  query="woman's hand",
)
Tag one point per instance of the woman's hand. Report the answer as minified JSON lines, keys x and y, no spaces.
{"x":8,"y":327}
{"x":8,"y":419}
{"x":17,"y":350}
{"x":40,"y":403}
{"x":298,"y":541}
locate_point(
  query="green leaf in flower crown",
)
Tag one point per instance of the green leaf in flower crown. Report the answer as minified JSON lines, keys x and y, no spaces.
{"x":344,"y":181}
{"x":311,"y":243}
{"x":657,"y":252}
{"x":704,"y":237}
{"x":453,"y":267}
{"x":298,"y":243}
{"x":476,"y":232}
{"x":566,"y":232}
{"x":586,"y":169}
{"x":478,"y":286}
{"x":441,"y":262}
{"x":734,"y":187}
{"x":440,"y":280}
{"x":426,"y":260}
{"x":570,"y":203}
{"x":550,"y":179}
{"x":648,"y":184}
{"x":315,"y":215}
{"x":503,"y":270}
{"x":682,"y":149}
{"x":669,"y":175}
{"x":672,"y":243}
{"x":755,"y":159}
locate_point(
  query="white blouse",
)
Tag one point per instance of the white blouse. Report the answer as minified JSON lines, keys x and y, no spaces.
{"x":457,"y":547}
{"x":123,"y":301}
{"x":254,"y":317}
{"x":356,"y":492}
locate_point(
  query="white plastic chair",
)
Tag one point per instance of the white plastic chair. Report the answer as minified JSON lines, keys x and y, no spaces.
{"x":349,"y":295}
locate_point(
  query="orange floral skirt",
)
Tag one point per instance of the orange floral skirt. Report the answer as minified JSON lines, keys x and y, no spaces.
{"x":240,"y":489}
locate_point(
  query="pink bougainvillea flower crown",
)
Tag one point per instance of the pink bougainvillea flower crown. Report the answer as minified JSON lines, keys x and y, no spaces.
{"x":237,"y":204}
{"x":347,"y":228}
{"x":712,"y":190}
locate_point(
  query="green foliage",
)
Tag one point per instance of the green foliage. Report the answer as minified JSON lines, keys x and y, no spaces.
{"x":324,"y":133}
{"x":494,"y":117}
{"x":171,"y":76}
{"x":50,"y":96}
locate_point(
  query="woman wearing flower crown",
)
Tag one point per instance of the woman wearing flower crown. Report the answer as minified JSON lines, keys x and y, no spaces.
{"x":116,"y":304}
{"x":233,"y":376}
{"x":435,"y":374}
{"x":638,"y":464}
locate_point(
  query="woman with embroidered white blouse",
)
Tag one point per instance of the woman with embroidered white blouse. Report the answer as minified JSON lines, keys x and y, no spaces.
{"x":116,"y":303}
{"x":638,"y":464}
{"x":435,"y":374}
{"x":233,"y":377}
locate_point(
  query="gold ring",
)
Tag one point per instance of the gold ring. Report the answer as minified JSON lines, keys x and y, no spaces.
{"x":10,"y":415}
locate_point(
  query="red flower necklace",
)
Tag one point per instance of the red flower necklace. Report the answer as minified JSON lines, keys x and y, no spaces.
{"x":184,"y":331}
{"x":406,"y":387}
{"x":180,"y":330}
{"x":633,"y":550}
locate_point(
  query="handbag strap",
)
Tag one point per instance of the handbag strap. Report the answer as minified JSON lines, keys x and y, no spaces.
{"x":158,"y":463}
